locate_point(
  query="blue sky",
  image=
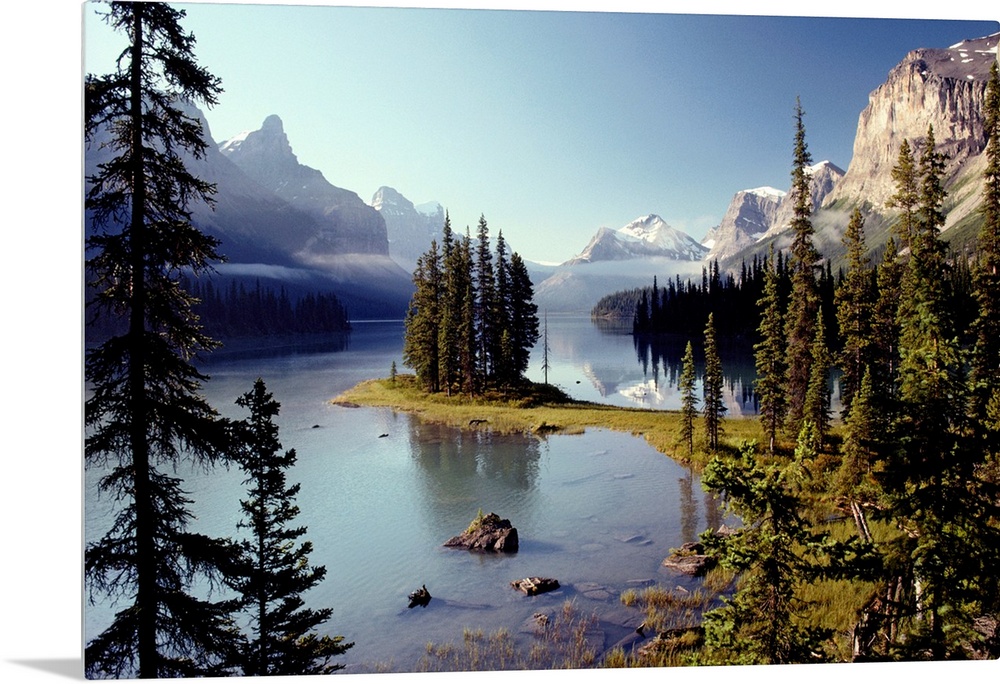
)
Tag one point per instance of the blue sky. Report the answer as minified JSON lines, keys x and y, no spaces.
{"x":551,"y":123}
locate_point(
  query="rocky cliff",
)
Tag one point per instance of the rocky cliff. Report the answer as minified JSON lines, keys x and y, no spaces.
{"x":749,"y":216}
{"x":346,"y":224}
{"x":942,"y":87}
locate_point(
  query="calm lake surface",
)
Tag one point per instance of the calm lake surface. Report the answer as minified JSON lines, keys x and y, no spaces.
{"x":382,"y":491}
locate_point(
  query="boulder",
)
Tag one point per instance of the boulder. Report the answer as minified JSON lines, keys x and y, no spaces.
{"x":487,"y":533}
{"x":535,"y":585}
{"x":690,"y":559}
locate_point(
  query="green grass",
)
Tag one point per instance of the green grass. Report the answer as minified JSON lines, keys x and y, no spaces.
{"x":542,"y":409}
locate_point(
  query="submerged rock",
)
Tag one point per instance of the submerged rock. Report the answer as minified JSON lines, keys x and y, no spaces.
{"x":487,"y":533}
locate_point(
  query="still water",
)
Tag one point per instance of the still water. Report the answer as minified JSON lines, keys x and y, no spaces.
{"x":382,"y":491}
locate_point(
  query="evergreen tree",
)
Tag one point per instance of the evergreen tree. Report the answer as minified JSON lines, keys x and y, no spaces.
{"x":273,"y":573}
{"x":817,"y":406}
{"x":144,"y":410}
{"x":712,"y":386}
{"x":931,"y":479}
{"x":450,"y":308}
{"x":772,"y":552}
{"x":984,"y":376}
{"x":485,"y":287}
{"x":467,"y":332}
{"x":906,"y":197}
{"x":421,"y":350}
{"x":689,"y":410}
{"x":855,"y":301}
{"x":853,"y":480}
{"x":502,"y":352}
{"x":523,"y":316}
{"x":803,"y":303}
{"x":885,"y":333}
{"x":769,"y":354}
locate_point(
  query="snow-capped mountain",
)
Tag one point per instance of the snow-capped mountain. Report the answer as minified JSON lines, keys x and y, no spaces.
{"x":749,"y":216}
{"x":647,"y":236}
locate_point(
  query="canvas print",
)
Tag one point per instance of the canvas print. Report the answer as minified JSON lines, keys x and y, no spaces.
{"x":433,"y":340}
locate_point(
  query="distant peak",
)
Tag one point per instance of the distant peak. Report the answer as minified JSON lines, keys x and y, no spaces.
{"x":273,"y":124}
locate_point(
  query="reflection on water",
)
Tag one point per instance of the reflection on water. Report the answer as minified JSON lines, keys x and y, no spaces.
{"x":381,"y":492}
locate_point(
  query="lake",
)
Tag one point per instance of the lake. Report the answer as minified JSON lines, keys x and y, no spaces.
{"x":382,"y":491}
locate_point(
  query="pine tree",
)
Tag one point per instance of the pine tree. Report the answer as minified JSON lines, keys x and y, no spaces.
{"x":772,"y":553}
{"x":769,"y":354}
{"x":421,"y":350}
{"x":449,"y":308}
{"x":485,"y":288}
{"x":984,"y":375}
{"x":502,"y":352}
{"x":855,"y":301}
{"x":689,"y":410}
{"x":817,"y":406}
{"x":144,"y":410}
{"x":885,"y":332}
{"x":712,"y":386}
{"x":931,"y":480}
{"x":858,"y":451}
{"x":523,"y":316}
{"x":804,"y":299}
{"x":274,"y":573}
{"x":906,"y":197}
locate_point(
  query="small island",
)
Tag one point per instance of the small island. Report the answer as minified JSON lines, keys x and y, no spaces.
{"x":535,"y":409}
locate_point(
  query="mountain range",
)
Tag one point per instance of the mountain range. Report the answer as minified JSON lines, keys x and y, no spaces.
{"x":280,"y":220}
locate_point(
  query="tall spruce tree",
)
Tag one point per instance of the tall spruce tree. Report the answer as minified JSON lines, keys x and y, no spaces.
{"x":144,"y":413}
{"x":906,"y":198}
{"x":421,"y":345}
{"x":449,"y":308}
{"x":523,"y":315}
{"x":689,"y":408}
{"x":712,"y":386}
{"x":885,"y":332}
{"x":502,"y":352}
{"x":485,"y":287}
{"x":931,"y":480}
{"x":854,"y":299}
{"x":817,"y":406}
{"x":274,"y":573}
{"x":803,"y":301}
{"x":984,"y":375}
{"x":769,"y":355}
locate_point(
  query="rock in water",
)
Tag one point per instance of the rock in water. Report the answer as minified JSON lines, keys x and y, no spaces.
{"x":421,"y":597}
{"x":488,"y":533}
{"x":535,"y":585}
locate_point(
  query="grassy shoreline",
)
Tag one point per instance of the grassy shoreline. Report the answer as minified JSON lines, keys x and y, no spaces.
{"x":542,"y":410}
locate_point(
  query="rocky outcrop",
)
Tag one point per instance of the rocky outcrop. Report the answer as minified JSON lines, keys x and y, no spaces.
{"x":944,"y":88}
{"x":487,"y":533}
{"x":690,"y":559}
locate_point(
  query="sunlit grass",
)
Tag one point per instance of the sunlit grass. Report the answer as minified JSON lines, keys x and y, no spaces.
{"x":543,"y":409}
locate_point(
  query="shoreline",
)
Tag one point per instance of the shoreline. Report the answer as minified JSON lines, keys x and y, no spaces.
{"x":543,"y":411}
